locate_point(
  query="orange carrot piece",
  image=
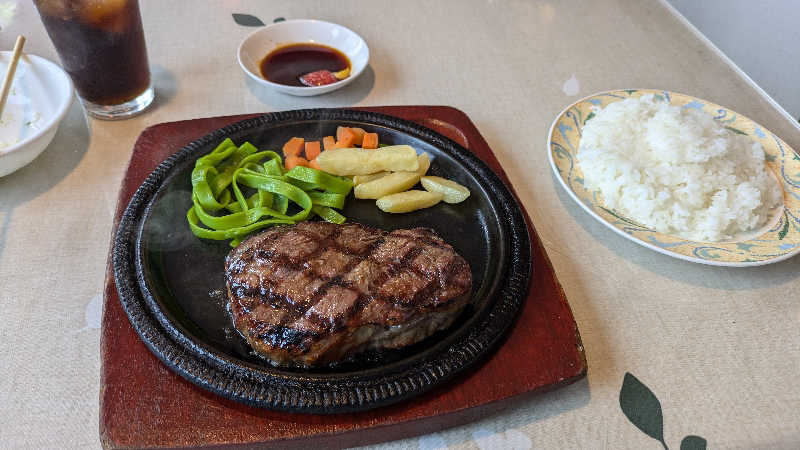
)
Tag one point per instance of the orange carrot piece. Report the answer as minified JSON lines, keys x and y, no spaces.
{"x":314,"y":164}
{"x":359,"y":132}
{"x":312,"y":150}
{"x":344,"y":134}
{"x":370,"y":141}
{"x":328,"y":142}
{"x":293,"y":147}
{"x":294,"y":161}
{"x":341,"y":131}
{"x":346,"y":141}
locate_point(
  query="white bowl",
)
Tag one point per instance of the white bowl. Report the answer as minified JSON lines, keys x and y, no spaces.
{"x":39,"y":98}
{"x":256,"y":46}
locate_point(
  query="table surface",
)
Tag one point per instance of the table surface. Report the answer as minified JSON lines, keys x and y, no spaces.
{"x":718,"y":347}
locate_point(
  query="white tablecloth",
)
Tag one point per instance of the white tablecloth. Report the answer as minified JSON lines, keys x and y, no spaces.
{"x":718,"y":347}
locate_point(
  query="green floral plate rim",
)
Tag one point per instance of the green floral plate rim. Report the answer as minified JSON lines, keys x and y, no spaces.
{"x":778,"y":240}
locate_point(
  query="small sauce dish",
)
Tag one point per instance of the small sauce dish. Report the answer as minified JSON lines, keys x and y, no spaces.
{"x":260,"y":43}
{"x":39,"y":98}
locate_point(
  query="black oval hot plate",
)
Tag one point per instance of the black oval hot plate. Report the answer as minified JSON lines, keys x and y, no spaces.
{"x":171,"y":284}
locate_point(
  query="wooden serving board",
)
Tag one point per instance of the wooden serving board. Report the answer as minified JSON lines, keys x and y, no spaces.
{"x":143,"y":404}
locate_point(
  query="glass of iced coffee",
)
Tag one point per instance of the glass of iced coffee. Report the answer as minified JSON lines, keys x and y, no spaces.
{"x":101,"y":45}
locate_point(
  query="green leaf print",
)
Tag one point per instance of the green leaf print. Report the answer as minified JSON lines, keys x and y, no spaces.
{"x":642,"y":408}
{"x":693,"y":443}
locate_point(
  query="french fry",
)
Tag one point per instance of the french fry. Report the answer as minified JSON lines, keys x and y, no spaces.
{"x":361,"y":179}
{"x":424,"y":164}
{"x":451,"y":191}
{"x":408,"y":201}
{"x":389,"y":184}
{"x":357,"y":161}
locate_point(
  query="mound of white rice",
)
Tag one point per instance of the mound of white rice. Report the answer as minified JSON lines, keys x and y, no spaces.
{"x":676,"y":170}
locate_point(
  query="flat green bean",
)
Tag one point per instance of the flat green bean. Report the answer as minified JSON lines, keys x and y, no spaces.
{"x":254,"y":191}
{"x":321,"y":180}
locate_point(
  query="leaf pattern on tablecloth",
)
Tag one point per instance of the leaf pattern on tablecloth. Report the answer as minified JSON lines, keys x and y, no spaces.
{"x":93,"y":313}
{"x":247,"y":20}
{"x":641,"y":406}
{"x":693,"y":443}
{"x":572,"y":86}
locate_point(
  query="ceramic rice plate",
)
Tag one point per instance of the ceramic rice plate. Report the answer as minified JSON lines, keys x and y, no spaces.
{"x":779,"y":239}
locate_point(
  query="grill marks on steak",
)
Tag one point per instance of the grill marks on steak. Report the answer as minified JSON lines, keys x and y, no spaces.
{"x":316,"y":292}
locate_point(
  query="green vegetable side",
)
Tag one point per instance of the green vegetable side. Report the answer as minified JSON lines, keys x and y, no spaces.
{"x":239,"y":190}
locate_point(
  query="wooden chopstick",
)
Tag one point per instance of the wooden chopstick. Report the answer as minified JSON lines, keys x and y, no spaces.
{"x":12,"y":67}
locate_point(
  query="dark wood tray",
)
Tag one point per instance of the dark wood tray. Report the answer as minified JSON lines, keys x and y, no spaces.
{"x":144,"y":404}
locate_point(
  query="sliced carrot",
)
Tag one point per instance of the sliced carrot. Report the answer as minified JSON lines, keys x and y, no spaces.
{"x":293,"y":147}
{"x":370,"y":141}
{"x":314,"y":164}
{"x":359,"y":132}
{"x":341,"y":132}
{"x":328,"y":142}
{"x":312,"y":150}
{"x":346,"y":136}
{"x":344,"y":144}
{"x":294,"y":161}
{"x":346,"y":141}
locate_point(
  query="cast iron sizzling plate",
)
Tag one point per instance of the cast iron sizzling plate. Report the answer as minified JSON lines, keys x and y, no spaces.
{"x":171,"y":283}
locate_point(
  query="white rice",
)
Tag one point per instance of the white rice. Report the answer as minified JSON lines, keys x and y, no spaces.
{"x":676,"y":170}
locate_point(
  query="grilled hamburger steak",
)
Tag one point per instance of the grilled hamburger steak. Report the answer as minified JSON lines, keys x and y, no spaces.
{"x":315,"y":293}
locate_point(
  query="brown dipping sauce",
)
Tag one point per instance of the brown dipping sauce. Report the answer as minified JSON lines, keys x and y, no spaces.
{"x":285,"y":65}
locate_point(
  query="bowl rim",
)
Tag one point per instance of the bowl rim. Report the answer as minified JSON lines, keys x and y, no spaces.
{"x":355,"y":72}
{"x":61,"y":108}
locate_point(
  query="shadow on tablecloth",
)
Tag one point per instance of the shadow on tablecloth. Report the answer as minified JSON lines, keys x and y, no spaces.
{"x":68,"y":147}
